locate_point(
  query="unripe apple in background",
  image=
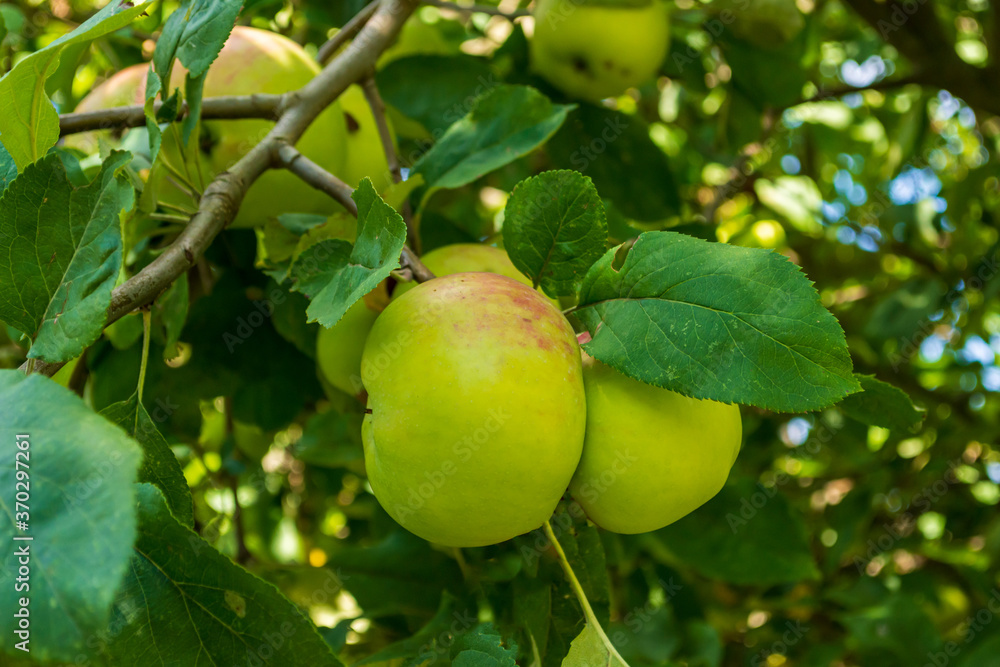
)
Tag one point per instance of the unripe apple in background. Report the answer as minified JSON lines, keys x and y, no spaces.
{"x":764,"y":23}
{"x":252,"y":61}
{"x":477,"y":409}
{"x":590,"y":50}
{"x":338,"y":349}
{"x":650,"y":456}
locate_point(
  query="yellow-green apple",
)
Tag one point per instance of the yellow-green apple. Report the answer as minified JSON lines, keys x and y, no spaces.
{"x":338,"y":349}
{"x":476,"y":409}
{"x":591,"y":49}
{"x":650,"y":456}
{"x":465,"y":258}
{"x":252,"y":61}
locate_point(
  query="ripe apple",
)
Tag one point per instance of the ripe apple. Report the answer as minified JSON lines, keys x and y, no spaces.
{"x":464,"y":258}
{"x":650,"y":456}
{"x":338,"y":349}
{"x":252,"y":61}
{"x":477,"y":409}
{"x":591,"y":50}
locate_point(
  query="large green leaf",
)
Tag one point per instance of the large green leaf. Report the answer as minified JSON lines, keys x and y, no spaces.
{"x":184,"y":603}
{"x":159,"y":465}
{"x":483,"y":647}
{"x":435,"y":90}
{"x":505,"y":123}
{"x":60,"y":253}
{"x":881,"y":404}
{"x":748,"y":534}
{"x":554,"y":229}
{"x":334,"y":275}
{"x":81,"y":514}
{"x":29,"y":123}
{"x":715,"y":321}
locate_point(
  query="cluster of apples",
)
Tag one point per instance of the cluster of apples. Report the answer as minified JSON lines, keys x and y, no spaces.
{"x":343,"y":140}
{"x":483,"y":411}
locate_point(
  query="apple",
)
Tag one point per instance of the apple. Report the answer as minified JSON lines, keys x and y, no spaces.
{"x":476,"y":409}
{"x":338,"y":349}
{"x":651,"y":455}
{"x":591,"y":50}
{"x":252,"y":61}
{"x":764,"y":23}
{"x":463,"y":258}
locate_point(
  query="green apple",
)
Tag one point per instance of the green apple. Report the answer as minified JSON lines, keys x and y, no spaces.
{"x":465,"y":258}
{"x":252,"y":61}
{"x":476,"y":409}
{"x":591,"y":50}
{"x":764,"y":23}
{"x":651,"y":456}
{"x":338,"y":349}
{"x":365,"y":153}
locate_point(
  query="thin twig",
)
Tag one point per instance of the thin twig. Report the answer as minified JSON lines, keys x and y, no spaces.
{"x":224,"y":195}
{"x":289,"y":157}
{"x":78,"y":378}
{"x":384,"y":133}
{"x":391,"y":157}
{"x":347,"y":33}
{"x":482,"y":9}
{"x":213,"y":108}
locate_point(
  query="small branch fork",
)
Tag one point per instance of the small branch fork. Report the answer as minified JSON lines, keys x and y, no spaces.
{"x":214,"y":108}
{"x":223,"y":196}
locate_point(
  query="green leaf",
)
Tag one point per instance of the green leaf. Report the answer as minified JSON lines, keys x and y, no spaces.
{"x":755,"y":538}
{"x":194,"y":34}
{"x":334,"y":275}
{"x":435,"y":90}
{"x":615,"y":151}
{"x":589,"y":649}
{"x":29,"y":122}
{"x":440,"y":629}
{"x":81,"y":514}
{"x":180,"y":591}
{"x":483,"y":647}
{"x":881,"y":404}
{"x":8,"y":170}
{"x":714,"y":321}
{"x":895,"y":632}
{"x":504,"y":124}
{"x":60,"y":254}
{"x":172,"y":308}
{"x":554,"y":229}
{"x":159,"y":465}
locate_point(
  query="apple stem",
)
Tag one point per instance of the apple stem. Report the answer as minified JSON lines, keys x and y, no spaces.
{"x":581,"y":596}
